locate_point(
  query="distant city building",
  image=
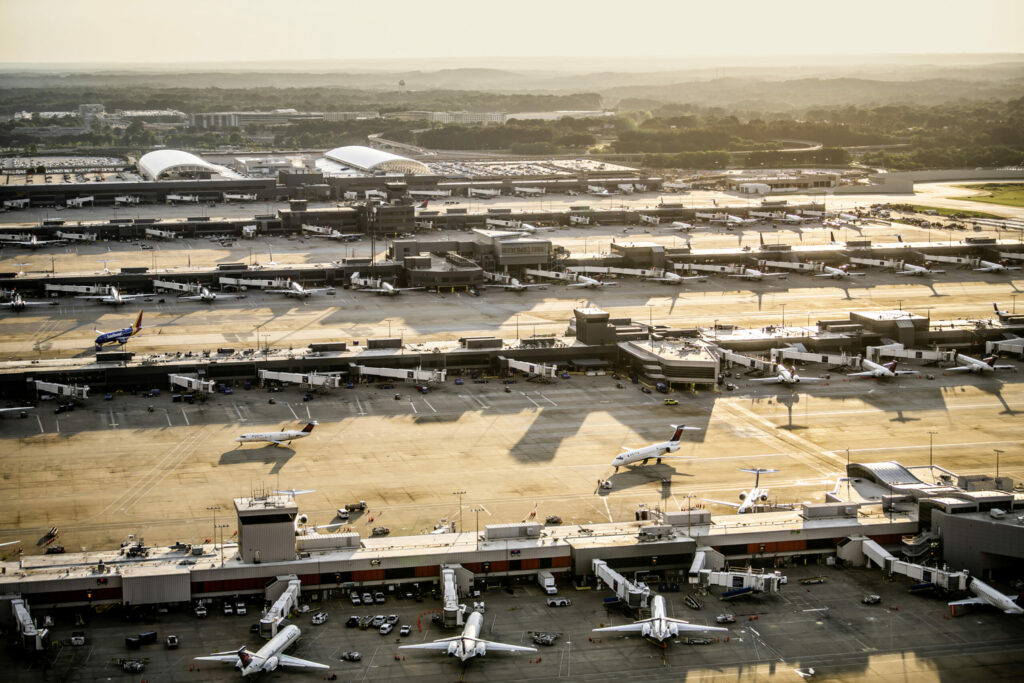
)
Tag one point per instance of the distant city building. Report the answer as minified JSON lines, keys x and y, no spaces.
{"x":90,"y":110}
{"x":462,"y":117}
{"x":556,"y":115}
{"x":350,"y":115}
{"x":238,"y":119}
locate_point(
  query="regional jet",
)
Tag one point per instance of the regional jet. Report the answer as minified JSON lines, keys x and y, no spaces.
{"x":591,"y":283}
{"x":680,"y":225}
{"x":660,"y":627}
{"x":34,"y":242}
{"x":294,"y":289}
{"x":974,"y":365}
{"x":278,"y":438}
{"x":911,"y":269}
{"x":754,"y":274}
{"x":118,"y":336}
{"x":752,"y":498}
{"x":839,"y":273}
{"x":468,"y":644}
{"x":987,"y":595}
{"x":18,"y":303}
{"x":675,"y":279}
{"x":784,"y":375}
{"x":366,"y":284}
{"x":655,"y":450}
{"x":990,"y":267}
{"x":514,"y":285}
{"x":113,"y":297}
{"x":269,"y":657}
{"x":887,"y":370}
{"x":206,"y":296}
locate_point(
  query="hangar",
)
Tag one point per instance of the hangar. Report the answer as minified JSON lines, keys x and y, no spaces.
{"x":375,"y":161}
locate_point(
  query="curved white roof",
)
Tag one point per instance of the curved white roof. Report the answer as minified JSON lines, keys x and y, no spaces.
{"x":156,"y":164}
{"x":369,"y":159}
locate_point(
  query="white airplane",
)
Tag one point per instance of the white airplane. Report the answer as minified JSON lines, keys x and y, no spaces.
{"x":296,"y":290}
{"x":269,"y":657}
{"x":15,"y":410}
{"x":206,"y":296}
{"x":837,"y":273}
{"x":591,"y":283}
{"x":754,"y":274}
{"x":34,"y":242}
{"x":786,"y":375}
{"x":794,"y":219}
{"x":974,"y":365}
{"x":752,"y":498}
{"x":118,"y":336}
{"x":736,"y":220}
{"x":987,"y":595}
{"x":278,"y":438}
{"x":887,"y":370}
{"x":675,"y":279}
{"x":655,"y":450}
{"x":911,"y":269}
{"x":18,"y":303}
{"x":113,"y":297}
{"x":514,"y":285}
{"x":331,"y":233}
{"x":990,"y":267}
{"x":366,"y":284}
{"x":529,"y":229}
{"x":680,"y":225}
{"x":660,"y":627}
{"x":469,"y":643}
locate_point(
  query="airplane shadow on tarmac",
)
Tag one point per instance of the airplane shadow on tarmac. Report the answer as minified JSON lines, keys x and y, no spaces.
{"x":278,"y":456}
{"x":641,"y":475}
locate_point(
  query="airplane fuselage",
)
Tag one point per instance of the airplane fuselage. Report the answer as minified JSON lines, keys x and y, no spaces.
{"x":642,"y":455}
{"x":266,"y":656}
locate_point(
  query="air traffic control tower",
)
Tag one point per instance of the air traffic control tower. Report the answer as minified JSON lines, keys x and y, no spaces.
{"x":266,"y":528}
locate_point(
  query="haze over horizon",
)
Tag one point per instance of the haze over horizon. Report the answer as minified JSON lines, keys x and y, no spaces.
{"x":261,"y":34}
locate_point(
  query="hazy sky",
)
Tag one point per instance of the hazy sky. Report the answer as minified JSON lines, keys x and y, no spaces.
{"x":134,"y":32}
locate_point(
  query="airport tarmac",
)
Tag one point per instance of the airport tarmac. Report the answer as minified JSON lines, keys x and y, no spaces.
{"x":824,"y":627}
{"x":114,"y":468}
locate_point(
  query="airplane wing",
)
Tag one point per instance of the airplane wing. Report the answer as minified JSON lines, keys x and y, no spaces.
{"x":905,"y":372}
{"x":1002,"y":367}
{"x":11,"y":410}
{"x":803,"y":380}
{"x":960,"y":368}
{"x":288,"y":660}
{"x":317,"y":290}
{"x":721,"y":502}
{"x":625,"y":628}
{"x":969,"y":601}
{"x":687,"y":626}
{"x":230,"y":657}
{"x":408,"y":289}
{"x":766,"y":380}
{"x":441,"y":644}
{"x":503,"y":647}
{"x":869,"y":373}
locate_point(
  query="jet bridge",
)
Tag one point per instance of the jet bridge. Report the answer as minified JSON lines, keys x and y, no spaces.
{"x":191,"y":383}
{"x":533,"y":369}
{"x":65,"y":390}
{"x":418,"y":375}
{"x":733,"y":578}
{"x":32,"y":639}
{"x":175,"y":286}
{"x":745,"y":361}
{"x":858,"y":549}
{"x":611,"y":270}
{"x":876,"y":353}
{"x":632,"y":594}
{"x":552,"y":274}
{"x":791,"y":265}
{"x":242,"y":283}
{"x":285,"y":593}
{"x":454,"y":577}
{"x":76,"y":289}
{"x":307,"y":379}
{"x":957,"y":260}
{"x":877,"y":263}
{"x":160,"y":234}
{"x":789,"y":353}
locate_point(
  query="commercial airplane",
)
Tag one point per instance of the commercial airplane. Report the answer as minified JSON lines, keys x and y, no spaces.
{"x":514,"y":285}
{"x":837,"y":273}
{"x":366,"y":284}
{"x":974,"y":365}
{"x":887,"y":370}
{"x":655,"y":450}
{"x":113,"y":297}
{"x":987,"y":595}
{"x":990,"y":267}
{"x":660,"y":627}
{"x":591,"y":283}
{"x":296,"y":290}
{"x":680,"y":225}
{"x":529,"y":229}
{"x":118,"y":336}
{"x":331,"y":233}
{"x":786,"y":375}
{"x":15,"y":410}
{"x":911,"y":269}
{"x":675,"y":279}
{"x":795,"y":219}
{"x":754,"y":274}
{"x":269,"y":657}
{"x":17,"y":303}
{"x":278,"y":438}
{"x":736,"y":220}
{"x":423,"y":205}
{"x":34,"y":242}
{"x":751,"y":498}
{"x":206,"y":296}
{"x":468,"y":644}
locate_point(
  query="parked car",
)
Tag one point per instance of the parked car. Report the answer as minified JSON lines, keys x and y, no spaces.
{"x":228,"y":609}
{"x":725,"y":619}
{"x":172,"y":642}
{"x":871,"y":599}
{"x":354,"y":597}
{"x":319,"y":618}
{"x":351,"y":656}
{"x":670,"y":402}
{"x":545,"y":638}
{"x":378,"y":621}
{"x":240,"y":608}
{"x":405,"y":630}
{"x":379,"y":598}
{"x":78,"y":638}
{"x":386,"y":629}
{"x":352,"y":622}
{"x":367,"y":599}
{"x":381,"y":531}
{"x":392,"y":619}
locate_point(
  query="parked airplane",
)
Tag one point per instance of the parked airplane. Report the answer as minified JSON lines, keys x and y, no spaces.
{"x":794,"y":219}
{"x":268,"y":657}
{"x":911,"y":269}
{"x":423,"y":205}
{"x":112,"y":297}
{"x":1005,"y":315}
{"x":754,"y":274}
{"x":365,"y":284}
{"x":514,"y":285}
{"x":296,"y":290}
{"x":529,"y":229}
{"x":655,"y":450}
{"x":990,"y":267}
{"x":118,"y":336}
{"x":468,"y":644}
{"x":736,"y":220}
{"x":675,"y":279}
{"x":987,"y":595}
{"x":887,"y":370}
{"x":660,"y":627}
{"x":278,"y":438}
{"x":18,"y":303}
{"x":331,"y":233}
{"x":751,"y":498}
{"x":786,"y":375}
{"x":591,"y":283}
{"x":34,"y":242}
{"x":206,"y":296}
{"x":15,"y":410}
{"x":837,"y":273}
{"x":974,"y":365}
{"x":680,"y":225}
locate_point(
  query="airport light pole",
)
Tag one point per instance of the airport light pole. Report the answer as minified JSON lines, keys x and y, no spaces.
{"x":998,"y":452}
{"x":460,"y":493}
{"x":931,"y":434}
{"x":783,"y":316}
{"x":221,"y":527}
{"x":214,"y":508}
{"x":477,"y":534}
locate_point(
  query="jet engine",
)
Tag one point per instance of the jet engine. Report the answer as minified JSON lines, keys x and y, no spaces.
{"x":743,"y":495}
{"x":764,"y":498}
{"x":271,"y":664}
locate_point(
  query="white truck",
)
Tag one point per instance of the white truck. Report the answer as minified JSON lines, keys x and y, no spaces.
{"x":546,"y":580}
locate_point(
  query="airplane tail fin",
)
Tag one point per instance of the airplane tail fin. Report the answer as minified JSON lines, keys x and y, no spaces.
{"x":244,"y":657}
{"x":899,"y":237}
{"x":424,"y":204}
{"x":831,"y":237}
{"x":760,"y":236}
{"x":138,"y":324}
{"x":309,"y":426}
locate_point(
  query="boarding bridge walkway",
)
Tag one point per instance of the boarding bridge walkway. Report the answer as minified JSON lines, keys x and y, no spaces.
{"x":66,"y":390}
{"x":306,"y":379}
{"x":418,"y":375}
{"x":285,"y":593}
{"x":632,"y":594}
{"x":191,"y":383}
